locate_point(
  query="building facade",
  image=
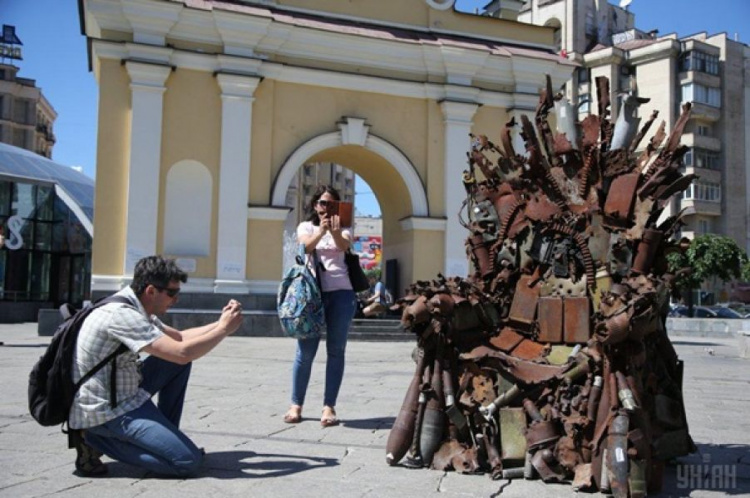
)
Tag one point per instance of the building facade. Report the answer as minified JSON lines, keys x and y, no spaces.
{"x":210,"y":109}
{"x":26,"y":117}
{"x":710,"y":71}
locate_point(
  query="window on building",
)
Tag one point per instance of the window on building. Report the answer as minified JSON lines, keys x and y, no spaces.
{"x":702,"y":158}
{"x":584,"y":103}
{"x":695,"y":60}
{"x":700,"y":191}
{"x":584,"y":75}
{"x":704,"y":227}
{"x":703,"y":130}
{"x":693,"y":92}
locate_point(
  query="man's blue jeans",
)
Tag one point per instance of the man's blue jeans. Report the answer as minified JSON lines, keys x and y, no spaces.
{"x":149,"y":437}
{"x":339,"y":309}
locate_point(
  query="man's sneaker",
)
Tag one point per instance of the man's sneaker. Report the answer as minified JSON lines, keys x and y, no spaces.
{"x":88,"y":462}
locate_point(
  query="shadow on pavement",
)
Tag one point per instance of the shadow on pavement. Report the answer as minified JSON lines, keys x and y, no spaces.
{"x":249,"y":464}
{"x":721,"y":468}
{"x":370,"y":423}
{"x":233,"y":465}
{"x":23,"y":345}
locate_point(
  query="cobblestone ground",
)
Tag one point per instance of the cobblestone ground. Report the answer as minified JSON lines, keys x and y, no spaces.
{"x":239,"y":393}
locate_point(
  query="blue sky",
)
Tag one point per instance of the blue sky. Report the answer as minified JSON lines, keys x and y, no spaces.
{"x":54,"y":53}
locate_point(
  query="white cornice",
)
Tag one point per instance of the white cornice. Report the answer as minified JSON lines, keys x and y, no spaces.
{"x":259,"y":36}
{"x":662,"y":50}
{"x":268,"y":213}
{"x":527,"y":78}
{"x":605,"y":56}
{"x":419,"y":223}
{"x":151,"y":21}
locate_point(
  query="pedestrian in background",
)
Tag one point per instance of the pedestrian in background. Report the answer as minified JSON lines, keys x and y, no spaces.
{"x":375,"y":303}
{"x":323,"y":233}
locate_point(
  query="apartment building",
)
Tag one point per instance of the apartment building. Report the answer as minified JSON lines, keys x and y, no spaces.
{"x":26,"y":116}
{"x":711,"y":71}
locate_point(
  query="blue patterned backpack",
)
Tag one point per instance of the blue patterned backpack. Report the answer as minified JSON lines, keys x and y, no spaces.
{"x":300,"y":302}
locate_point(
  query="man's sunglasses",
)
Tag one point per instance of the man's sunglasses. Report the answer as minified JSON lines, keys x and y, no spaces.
{"x":171,"y":291}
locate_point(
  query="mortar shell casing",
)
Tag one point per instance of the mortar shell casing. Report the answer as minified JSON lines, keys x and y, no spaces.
{"x":627,"y":399}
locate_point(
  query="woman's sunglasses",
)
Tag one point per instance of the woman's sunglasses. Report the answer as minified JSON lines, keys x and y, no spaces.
{"x":324,"y":203}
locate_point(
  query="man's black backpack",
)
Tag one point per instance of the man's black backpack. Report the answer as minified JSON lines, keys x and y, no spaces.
{"x":51,"y":386}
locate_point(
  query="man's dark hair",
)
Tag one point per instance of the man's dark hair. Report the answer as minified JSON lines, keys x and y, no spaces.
{"x":156,"y":271}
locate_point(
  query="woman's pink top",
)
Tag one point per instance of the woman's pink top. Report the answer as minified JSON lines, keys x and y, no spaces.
{"x":336,"y":276}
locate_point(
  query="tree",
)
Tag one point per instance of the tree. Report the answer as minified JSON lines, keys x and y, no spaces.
{"x":708,"y":256}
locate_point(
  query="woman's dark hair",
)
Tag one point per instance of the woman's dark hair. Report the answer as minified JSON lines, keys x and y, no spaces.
{"x":322,"y":189}
{"x":156,"y":271}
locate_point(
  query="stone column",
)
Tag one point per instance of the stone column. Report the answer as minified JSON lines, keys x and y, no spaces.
{"x":234,"y":179}
{"x":458,"y":121}
{"x":147,"y":98}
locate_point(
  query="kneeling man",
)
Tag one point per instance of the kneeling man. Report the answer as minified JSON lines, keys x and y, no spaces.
{"x":118,"y":418}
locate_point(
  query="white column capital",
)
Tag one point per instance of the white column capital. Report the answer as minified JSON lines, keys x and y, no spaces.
{"x":147,"y":76}
{"x":458,"y":112}
{"x":237,"y":85}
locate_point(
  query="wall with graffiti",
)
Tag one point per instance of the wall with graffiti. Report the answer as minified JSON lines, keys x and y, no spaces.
{"x":370,"y":250}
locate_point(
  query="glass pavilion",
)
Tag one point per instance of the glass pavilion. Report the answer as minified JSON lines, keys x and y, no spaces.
{"x":46,"y":217}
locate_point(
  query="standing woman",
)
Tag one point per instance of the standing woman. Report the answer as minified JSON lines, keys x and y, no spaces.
{"x":323,"y":233}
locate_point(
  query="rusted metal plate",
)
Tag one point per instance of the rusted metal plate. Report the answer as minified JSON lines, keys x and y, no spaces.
{"x":523,"y":309}
{"x":577,"y":324}
{"x":551,"y":320}
{"x":529,"y":350}
{"x":506,"y":340}
{"x":619,"y":203}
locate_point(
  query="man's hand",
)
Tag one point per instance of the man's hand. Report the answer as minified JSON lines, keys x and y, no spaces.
{"x":231,"y":316}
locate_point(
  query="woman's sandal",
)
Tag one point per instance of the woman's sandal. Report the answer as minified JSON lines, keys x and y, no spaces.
{"x":293,"y":416}
{"x":329,"y":420}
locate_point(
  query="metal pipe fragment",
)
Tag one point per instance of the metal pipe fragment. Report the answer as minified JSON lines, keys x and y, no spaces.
{"x":503,"y":400}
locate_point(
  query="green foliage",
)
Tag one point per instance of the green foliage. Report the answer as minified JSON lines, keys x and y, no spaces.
{"x":710,"y":256}
{"x":374,"y":273}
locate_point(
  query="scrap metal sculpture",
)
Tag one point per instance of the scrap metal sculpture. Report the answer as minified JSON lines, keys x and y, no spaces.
{"x":552,"y":359}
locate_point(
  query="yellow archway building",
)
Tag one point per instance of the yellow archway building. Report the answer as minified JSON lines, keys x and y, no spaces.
{"x":208,"y":108}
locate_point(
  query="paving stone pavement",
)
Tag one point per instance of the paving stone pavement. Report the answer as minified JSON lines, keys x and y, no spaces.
{"x":239,"y":393}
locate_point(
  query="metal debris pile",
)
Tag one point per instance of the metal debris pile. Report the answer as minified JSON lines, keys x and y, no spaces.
{"x":551,"y":359}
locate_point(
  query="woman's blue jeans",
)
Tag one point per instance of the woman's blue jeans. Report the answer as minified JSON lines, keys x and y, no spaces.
{"x":149,"y":437}
{"x":339,"y":307}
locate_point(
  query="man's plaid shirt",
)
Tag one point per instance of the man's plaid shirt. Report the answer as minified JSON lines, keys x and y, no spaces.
{"x":101,"y":334}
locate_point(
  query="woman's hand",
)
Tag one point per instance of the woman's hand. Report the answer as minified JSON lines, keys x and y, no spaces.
{"x":325,"y":223}
{"x":335,"y":226}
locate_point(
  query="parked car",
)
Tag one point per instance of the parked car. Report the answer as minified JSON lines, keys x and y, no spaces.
{"x":698,"y":312}
{"x":723,"y":312}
